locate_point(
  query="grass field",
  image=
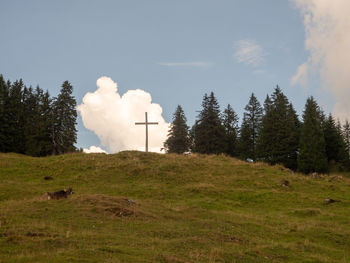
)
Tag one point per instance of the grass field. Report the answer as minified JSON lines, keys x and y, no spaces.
{"x":138,"y":207}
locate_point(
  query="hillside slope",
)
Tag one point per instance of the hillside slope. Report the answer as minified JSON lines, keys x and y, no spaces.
{"x":137,"y":207}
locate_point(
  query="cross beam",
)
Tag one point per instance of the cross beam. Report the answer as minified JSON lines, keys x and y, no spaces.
{"x":146,"y":123}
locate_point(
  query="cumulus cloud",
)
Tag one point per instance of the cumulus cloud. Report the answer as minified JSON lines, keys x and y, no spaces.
{"x":327,"y":27}
{"x":248,"y":52}
{"x":112,"y":117}
{"x":94,"y":149}
{"x":198,"y":64}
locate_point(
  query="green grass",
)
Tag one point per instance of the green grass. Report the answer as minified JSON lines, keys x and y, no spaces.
{"x":192,"y":208}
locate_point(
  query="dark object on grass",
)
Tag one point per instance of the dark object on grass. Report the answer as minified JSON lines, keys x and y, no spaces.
{"x":130,"y":201}
{"x":336,"y":178}
{"x":58,"y":195}
{"x":284,"y":183}
{"x":328,"y":201}
{"x":48,"y":178}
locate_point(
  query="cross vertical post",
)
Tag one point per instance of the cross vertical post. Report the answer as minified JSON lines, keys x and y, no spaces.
{"x":146,"y":123}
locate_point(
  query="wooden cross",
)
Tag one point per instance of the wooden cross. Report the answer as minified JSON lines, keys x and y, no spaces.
{"x":146,"y":123}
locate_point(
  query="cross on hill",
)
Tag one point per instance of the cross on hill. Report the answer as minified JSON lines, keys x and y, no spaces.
{"x":146,"y":123}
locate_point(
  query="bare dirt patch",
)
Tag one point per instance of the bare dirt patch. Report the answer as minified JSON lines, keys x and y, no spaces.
{"x":110,"y":205}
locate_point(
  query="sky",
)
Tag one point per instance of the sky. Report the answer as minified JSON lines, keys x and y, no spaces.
{"x":161,"y":53}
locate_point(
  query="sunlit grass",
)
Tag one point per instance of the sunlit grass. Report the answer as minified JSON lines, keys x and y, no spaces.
{"x":137,"y":207}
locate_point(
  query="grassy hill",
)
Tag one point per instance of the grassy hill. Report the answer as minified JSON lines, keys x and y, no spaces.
{"x":137,"y":207}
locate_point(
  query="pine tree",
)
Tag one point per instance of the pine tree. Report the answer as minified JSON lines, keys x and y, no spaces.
{"x":6,"y":143}
{"x":334,"y":141}
{"x":37,"y":108}
{"x":346,"y":138}
{"x":209,"y":133}
{"x":292,"y":140}
{"x":15,"y":121}
{"x":31,"y":121}
{"x":3,"y":113}
{"x":279,"y":132}
{"x":230,"y":123}
{"x":250,"y":128}
{"x":64,"y":133}
{"x":312,"y":148}
{"x":178,"y":140}
{"x":267,"y":104}
{"x":46,"y":120}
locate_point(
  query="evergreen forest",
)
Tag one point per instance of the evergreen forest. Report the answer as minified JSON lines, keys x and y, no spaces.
{"x":271,"y":132}
{"x":34,"y":123}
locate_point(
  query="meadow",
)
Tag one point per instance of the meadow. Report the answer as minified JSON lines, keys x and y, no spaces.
{"x":147,"y":207}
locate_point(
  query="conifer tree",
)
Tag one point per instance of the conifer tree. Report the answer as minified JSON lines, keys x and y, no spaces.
{"x":346,"y":138}
{"x":46,"y":120}
{"x":250,"y":128}
{"x":335,"y":147}
{"x":64,"y":133}
{"x":3,"y":113}
{"x":6,"y":136}
{"x":14,"y":108}
{"x":31,"y":121}
{"x":312,"y":148}
{"x":267,"y":104}
{"x":178,"y":140}
{"x":209,"y":133}
{"x":279,"y":132}
{"x":230,"y":123}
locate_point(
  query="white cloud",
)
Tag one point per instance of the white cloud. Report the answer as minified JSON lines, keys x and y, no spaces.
{"x":112,"y":117}
{"x":301,"y":75}
{"x":327,"y":27}
{"x":248,"y":52}
{"x":199,"y":64}
{"x":94,"y":149}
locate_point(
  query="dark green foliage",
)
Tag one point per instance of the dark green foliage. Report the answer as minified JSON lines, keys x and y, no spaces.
{"x":230,"y":123}
{"x":346,"y":138}
{"x":178,"y":140}
{"x":335,"y":146}
{"x":346,"y":135}
{"x":3,"y":113}
{"x":312,"y":148}
{"x":279,"y":132}
{"x":64,"y":133}
{"x":27,"y":119}
{"x":15,"y":111}
{"x":209,"y":133}
{"x":267,"y":104}
{"x":37,"y":108}
{"x":250,"y":128}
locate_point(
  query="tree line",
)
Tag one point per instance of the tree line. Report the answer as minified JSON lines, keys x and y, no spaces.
{"x":33,"y":123}
{"x":271,"y":133}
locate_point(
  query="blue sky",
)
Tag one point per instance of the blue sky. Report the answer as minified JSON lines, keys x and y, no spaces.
{"x":175,"y":50}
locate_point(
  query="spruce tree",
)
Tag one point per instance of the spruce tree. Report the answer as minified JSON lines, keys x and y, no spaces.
{"x":64,"y":133}
{"x":312,"y":148}
{"x":267,"y":104}
{"x":31,"y":121}
{"x":3,"y":113}
{"x":346,"y":138}
{"x":46,"y":120}
{"x":178,"y":140}
{"x":230,"y":123}
{"x":250,"y":128}
{"x":15,"y":115}
{"x":209,"y":133}
{"x":279,"y":132}
{"x":335,"y":147}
